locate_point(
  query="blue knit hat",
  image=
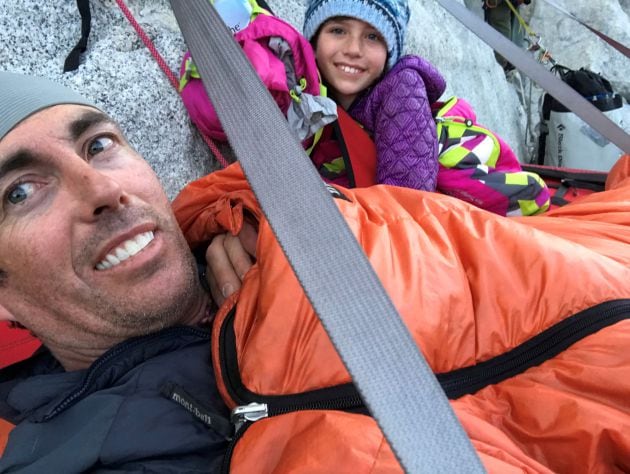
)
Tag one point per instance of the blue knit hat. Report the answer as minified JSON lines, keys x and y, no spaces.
{"x":22,"y":96}
{"x":389,"y":17}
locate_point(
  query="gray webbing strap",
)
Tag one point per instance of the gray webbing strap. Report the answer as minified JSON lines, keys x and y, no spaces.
{"x":526,"y":64}
{"x":393,"y":378}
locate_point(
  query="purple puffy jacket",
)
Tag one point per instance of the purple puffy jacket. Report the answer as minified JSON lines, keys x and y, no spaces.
{"x":397,"y":113}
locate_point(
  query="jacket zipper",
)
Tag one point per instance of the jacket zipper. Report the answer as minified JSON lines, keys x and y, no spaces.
{"x":227,"y":457}
{"x":534,"y":351}
{"x":244,"y":416}
{"x":457,"y":383}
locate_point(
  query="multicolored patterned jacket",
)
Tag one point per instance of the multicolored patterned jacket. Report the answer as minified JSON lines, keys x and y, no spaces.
{"x":477,"y":166}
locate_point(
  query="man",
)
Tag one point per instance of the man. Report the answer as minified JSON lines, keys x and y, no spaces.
{"x":93,"y":263}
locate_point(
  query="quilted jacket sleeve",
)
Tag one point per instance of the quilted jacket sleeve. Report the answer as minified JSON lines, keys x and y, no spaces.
{"x":398,"y":115}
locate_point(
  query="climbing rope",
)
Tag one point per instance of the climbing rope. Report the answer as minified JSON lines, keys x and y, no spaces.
{"x":541,"y":53}
{"x":520,"y":19}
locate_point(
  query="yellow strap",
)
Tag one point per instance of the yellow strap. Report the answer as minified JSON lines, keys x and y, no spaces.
{"x":257,"y":10}
{"x":448,"y":105}
{"x":521,"y":22}
{"x":295,"y":95}
{"x":190,"y":70}
{"x":318,"y":136}
{"x":323,"y":91}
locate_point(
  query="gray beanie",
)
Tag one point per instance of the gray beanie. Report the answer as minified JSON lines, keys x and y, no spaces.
{"x":21,"y":96}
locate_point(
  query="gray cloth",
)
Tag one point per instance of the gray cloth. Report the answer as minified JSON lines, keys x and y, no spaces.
{"x":307,"y":113}
{"x":22,"y":96}
{"x":310,"y":114}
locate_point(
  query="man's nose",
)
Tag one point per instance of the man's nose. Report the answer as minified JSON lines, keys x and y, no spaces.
{"x":97,"y":191}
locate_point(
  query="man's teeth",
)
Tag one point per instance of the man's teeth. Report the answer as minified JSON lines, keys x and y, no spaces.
{"x":125,"y":250}
{"x":350,"y":70}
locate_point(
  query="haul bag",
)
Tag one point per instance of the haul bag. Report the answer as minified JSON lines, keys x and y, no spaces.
{"x":574,"y":144}
{"x":565,"y":139}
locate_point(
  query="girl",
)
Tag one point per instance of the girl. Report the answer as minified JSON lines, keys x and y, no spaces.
{"x":358,"y":46}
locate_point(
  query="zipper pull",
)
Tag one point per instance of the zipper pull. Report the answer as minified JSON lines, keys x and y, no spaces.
{"x":244,"y":413}
{"x":454,"y":120}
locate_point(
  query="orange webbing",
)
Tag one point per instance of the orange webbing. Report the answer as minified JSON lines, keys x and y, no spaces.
{"x":361,"y":150}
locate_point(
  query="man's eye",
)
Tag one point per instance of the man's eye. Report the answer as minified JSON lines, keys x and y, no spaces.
{"x":98,"y":145}
{"x":20,"y":192}
{"x":335,"y":30}
{"x":374,"y":37}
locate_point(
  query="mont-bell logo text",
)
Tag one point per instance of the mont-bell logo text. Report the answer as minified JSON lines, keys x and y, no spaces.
{"x":191,"y":407}
{"x":204,"y":414}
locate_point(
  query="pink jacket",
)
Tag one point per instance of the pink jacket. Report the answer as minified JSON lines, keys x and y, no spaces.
{"x":255,"y":40}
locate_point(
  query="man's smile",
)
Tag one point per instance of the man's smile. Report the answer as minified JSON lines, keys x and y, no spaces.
{"x":126,"y":249}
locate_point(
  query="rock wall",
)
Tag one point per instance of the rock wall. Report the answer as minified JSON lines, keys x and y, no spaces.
{"x":120,"y":75}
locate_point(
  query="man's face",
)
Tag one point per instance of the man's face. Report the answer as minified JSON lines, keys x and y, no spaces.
{"x":90,"y":251}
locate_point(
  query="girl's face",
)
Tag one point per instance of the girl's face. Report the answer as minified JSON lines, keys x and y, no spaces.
{"x":351,"y":55}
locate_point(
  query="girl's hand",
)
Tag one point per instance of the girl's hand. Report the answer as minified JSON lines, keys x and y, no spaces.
{"x":229,"y":258}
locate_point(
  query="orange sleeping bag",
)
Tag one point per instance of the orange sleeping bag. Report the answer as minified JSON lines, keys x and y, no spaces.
{"x":524,"y":321}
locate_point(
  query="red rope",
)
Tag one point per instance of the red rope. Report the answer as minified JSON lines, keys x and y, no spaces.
{"x":169,"y":74}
